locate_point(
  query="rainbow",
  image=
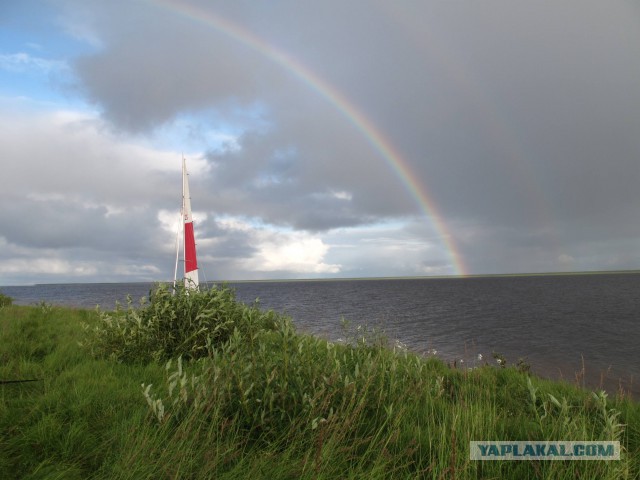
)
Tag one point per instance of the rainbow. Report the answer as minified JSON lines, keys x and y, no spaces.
{"x":373,"y":136}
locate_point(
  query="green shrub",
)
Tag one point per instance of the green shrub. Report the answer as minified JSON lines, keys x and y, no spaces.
{"x":177,"y":322}
{"x":5,"y":301}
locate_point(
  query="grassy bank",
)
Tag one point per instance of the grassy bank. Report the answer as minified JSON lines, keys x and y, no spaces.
{"x":200,"y":386}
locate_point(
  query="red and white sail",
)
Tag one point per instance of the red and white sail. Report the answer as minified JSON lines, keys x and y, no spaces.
{"x":189,"y":241}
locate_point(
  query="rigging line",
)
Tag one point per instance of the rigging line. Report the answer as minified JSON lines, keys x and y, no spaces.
{"x":203,"y":274}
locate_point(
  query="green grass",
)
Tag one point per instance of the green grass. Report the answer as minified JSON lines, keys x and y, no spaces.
{"x":197,"y":385}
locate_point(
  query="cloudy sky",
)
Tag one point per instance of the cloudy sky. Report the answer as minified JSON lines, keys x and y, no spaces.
{"x":324,"y":139}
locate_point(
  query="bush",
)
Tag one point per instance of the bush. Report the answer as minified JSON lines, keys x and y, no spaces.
{"x":5,"y":301}
{"x":177,"y":322}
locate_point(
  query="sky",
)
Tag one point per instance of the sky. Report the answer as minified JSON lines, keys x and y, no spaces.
{"x":327,"y":139}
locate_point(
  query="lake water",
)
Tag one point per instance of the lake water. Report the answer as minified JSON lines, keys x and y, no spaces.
{"x":560,"y":324}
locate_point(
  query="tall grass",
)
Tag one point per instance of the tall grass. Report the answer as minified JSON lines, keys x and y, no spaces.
{"x":167,"y":391}
{"x":77,"y":412}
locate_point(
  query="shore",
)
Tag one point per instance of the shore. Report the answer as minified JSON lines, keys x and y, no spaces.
{"x":266,"y":401}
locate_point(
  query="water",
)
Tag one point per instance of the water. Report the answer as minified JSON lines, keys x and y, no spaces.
{"x":560,"y":325}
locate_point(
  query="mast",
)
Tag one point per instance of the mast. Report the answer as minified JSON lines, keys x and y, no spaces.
{"x":189,"y":241}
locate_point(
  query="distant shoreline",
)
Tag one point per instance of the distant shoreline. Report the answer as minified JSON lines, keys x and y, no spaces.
{"x":437,"y":277}
{"x":341,"y":279}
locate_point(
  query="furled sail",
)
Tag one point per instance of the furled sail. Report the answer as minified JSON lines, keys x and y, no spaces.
{"x":189,"y":241}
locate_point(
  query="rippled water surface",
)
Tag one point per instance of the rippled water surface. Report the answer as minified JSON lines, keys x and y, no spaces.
{"x":558,"y":324}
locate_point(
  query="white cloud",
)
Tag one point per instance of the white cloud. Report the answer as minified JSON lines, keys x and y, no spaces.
{"x":277,"y":250}
{"x":68,"y":152}
{"x":23,"y":62}
{"x":169,"y":220}
{"x":399,"y":248}
{"x":194,"y":133}
{"x":297,"y":252}
{"x":47,"y":266}
{"x":342,"y":195}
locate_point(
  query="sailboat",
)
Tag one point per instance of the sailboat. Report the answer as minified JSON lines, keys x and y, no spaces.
{"x":188,"y":238}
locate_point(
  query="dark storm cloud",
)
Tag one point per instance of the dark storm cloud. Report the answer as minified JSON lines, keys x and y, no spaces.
{"x":157,"y":65}
{"x":154,"y":64}
{"x":557,"y":80}
{"x":304,"y":180}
